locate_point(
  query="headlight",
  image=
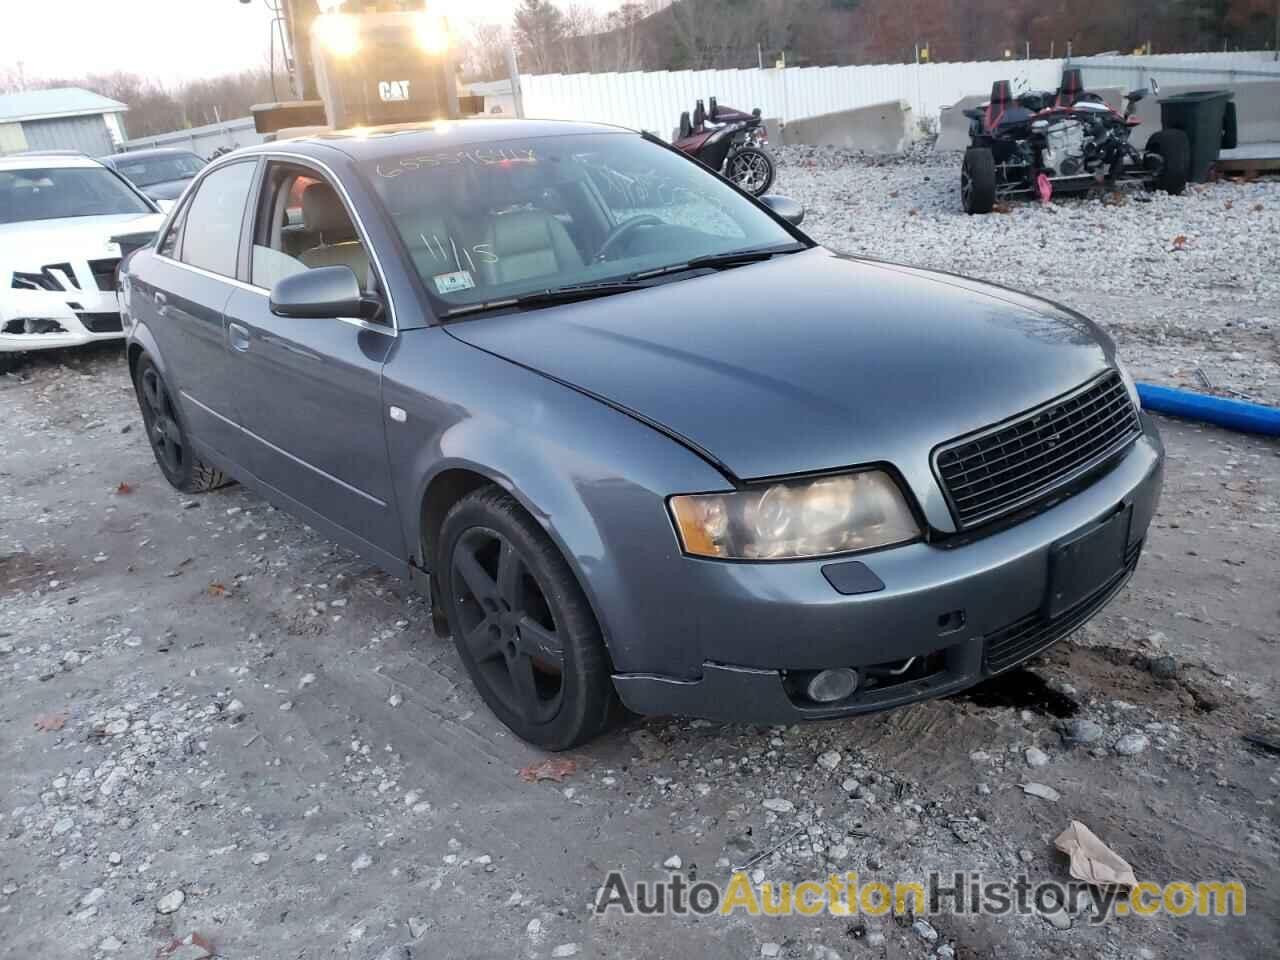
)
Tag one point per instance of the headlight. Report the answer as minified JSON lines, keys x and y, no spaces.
{"x":432,"y":34}
{"x":794,"y":519}
{"x":338,"y":33}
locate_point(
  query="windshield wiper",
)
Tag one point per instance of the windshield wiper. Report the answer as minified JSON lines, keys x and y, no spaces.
{"x":569,"y":293}
{"x":720,"y":261}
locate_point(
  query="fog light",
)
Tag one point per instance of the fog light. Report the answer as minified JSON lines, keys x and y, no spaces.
{"x":827,"y":686}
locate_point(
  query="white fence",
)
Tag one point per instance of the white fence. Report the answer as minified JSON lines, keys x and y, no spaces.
{"x":202,"y":140}
{"x":653,"y":101}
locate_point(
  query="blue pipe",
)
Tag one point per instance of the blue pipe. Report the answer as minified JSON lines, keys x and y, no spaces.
{"x":1232,"y":414}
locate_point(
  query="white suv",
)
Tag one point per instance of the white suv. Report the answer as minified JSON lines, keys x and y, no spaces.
{"x":63,"y":218}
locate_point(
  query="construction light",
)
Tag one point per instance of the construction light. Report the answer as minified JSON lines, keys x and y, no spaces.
{"x":338,"y":33}
{"x":432,"y":34}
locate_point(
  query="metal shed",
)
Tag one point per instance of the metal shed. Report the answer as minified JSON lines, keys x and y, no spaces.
{"x":63,"y":118}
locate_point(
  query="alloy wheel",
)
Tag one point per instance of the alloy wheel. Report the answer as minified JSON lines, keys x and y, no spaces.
{"x":507,"y":626}
{"x":749,"y":171}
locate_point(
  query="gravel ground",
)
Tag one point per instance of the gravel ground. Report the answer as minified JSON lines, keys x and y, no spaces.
{"x":1181,"y":282}
{"x":223,"y":735}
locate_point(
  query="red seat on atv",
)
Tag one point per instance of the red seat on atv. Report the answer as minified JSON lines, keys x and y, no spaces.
{"x":1001,"y":98}
{"x":1071,"y":88}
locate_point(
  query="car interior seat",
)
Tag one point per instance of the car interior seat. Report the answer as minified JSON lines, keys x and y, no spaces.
{"x":1001,"y":98}
{"x":527,"y":244}
{"x":1071,"y":88}
{"x":338,"y":244}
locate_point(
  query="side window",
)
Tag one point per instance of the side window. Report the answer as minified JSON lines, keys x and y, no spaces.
{"x":211,"y":235}
{"x":168,"y":246}
{"x":303,"y":224}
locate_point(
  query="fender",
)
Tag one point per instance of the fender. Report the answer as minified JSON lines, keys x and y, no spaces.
{"x":595,"y":479}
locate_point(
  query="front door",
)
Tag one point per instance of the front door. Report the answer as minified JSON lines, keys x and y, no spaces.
{"x":310,"y":390}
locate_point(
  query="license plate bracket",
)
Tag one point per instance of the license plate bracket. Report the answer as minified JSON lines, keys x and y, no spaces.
{"x":1082,"y":563}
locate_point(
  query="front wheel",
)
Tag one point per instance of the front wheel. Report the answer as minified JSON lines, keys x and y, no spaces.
{"x":752,"y":169}
{"x":521,"y":623}
{"x":978,"y":180}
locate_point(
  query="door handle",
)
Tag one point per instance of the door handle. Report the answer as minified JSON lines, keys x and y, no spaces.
{"x":239,"y":337}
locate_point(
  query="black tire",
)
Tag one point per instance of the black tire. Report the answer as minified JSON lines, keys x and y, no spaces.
{"x":168,"y":437}
{"x":521,"y":623}
{"x":1230,"y":127}
{"x":9,"y":362}
{"x":753,"y":169}
{"x":1174,"y":152}
{"x":978,"y":180}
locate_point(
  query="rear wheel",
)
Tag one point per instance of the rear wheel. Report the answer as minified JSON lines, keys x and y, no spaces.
{"x":752,"y":169}
{"x":521,"y":623}
{"x":978,"y":180}
{"x":1169,"y":159}
{"x":169,"y":441}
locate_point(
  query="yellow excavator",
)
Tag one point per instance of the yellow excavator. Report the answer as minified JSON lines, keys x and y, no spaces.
{"x":357,"y":63}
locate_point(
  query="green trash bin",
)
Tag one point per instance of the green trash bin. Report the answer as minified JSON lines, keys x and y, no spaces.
{"x":1201,"y":115}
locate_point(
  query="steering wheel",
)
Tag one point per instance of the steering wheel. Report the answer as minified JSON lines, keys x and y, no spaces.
{"x":624,"y":228}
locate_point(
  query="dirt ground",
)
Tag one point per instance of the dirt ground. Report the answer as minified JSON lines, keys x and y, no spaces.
{"x":213,"y":722}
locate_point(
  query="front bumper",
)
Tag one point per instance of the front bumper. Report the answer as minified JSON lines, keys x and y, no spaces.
{"x":964,"y":612}
{"x":66,"y":318}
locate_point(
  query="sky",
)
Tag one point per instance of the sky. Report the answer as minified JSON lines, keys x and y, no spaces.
{"x":169,"y":40}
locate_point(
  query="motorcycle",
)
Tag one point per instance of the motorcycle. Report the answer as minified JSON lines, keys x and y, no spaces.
{"x":1046,"y":142}
{"x":733,"y":143}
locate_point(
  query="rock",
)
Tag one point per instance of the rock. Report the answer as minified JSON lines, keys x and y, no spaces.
{"x":983,"y":789}
{"x":650,"y":747}
{"x":170,"y":901}
{"x":396,"y":952}
{"x":259,"y":858}
{"x":287,"y":705}
{"x":92,"y":897}
{"x":673,"y":863}
{"x":1081,"y":731}
{"x":849,"y":785}
{"x":565,"y":950}
{"x":116,"y":727}
{"x":417,"y":927}
{"x":1058,"y":918}
{"x":924,"y":930}
{"x":307,"y":680}
{"x":361,"y":863}
{"x":1041,"y":791}
{"x":946,"y":952}
{"x":1036,"y":757}
{"x":779,"y":805}
{"x":1132,"y":744}
{"x":1026,"y":856}
{"x":829,"y":760}
{"x":110,"y":944}
{"x":534,"y":927}
{"x":1163,"y":668}
{"x":875,"y":939}
{"x":114,"y":858}
{"x":395,"y":700}
{"x":770,"y":949}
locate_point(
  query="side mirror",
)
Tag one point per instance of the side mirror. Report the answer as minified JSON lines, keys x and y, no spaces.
{"x":324,"y":292}
{"x":789,"y":210}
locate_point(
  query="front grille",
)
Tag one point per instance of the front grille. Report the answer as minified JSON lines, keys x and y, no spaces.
{"x":101,"y":322}
{"x":1026,"y":637}
{"x":1013,"y":464}
{"x":104,"y":272}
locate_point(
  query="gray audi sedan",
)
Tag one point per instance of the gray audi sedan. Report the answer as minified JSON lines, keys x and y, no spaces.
{"x":639,"y":438}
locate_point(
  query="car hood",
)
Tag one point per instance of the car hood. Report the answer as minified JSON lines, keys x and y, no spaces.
{"x":31,"y":244}
{"x":166,"y":189}
{"x":811,"y":361}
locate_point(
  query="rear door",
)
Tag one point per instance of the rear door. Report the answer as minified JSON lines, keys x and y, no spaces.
{"x":184,"y":295}
{"x":310,"y":392}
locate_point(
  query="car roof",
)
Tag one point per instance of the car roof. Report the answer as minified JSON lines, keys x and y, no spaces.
{"x":147,"y":154}
{"x":372,"y":143}
{"x":52,"y":158}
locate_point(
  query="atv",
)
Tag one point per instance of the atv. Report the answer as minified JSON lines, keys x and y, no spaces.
{"x":1068,"y":141}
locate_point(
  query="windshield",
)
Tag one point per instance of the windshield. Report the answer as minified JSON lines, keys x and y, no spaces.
{"x":507,"y":219}
{"x":148,"y":170}
{"x":52,"y":193}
